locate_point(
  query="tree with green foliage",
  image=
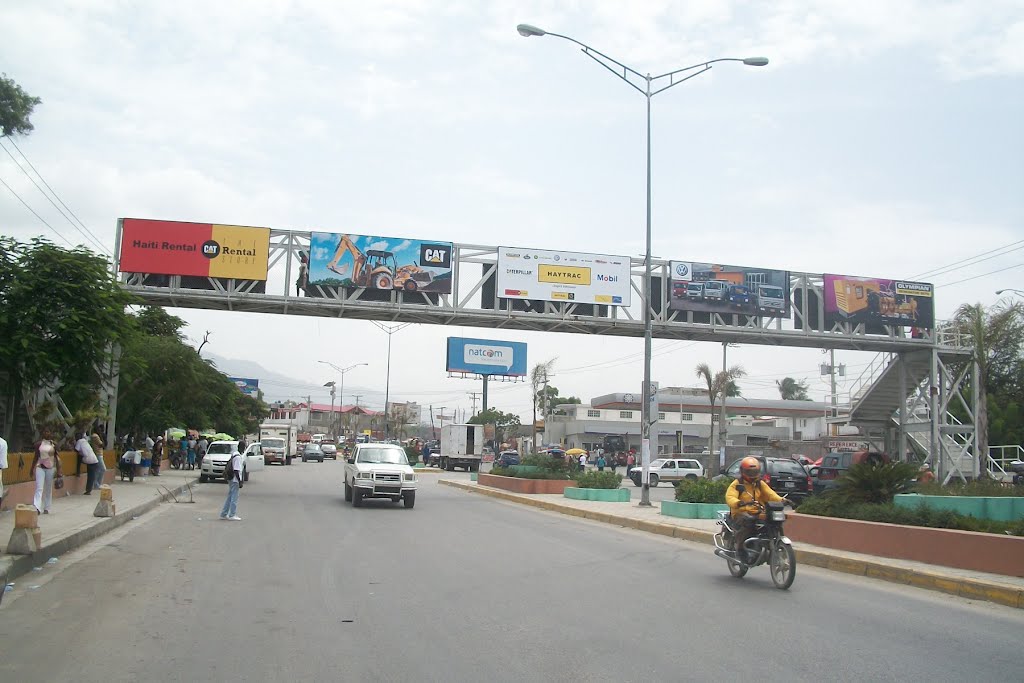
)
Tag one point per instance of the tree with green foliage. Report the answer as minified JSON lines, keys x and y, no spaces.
{"x":553,"y":398}
{"x":16,"y":108}
{"x":997,"y":336}
{"x":538,"y":378}
{"x":720,"y":385}
{"x":61,"y":311}
{"x":501,"y":421}
{"x":792,"y":390}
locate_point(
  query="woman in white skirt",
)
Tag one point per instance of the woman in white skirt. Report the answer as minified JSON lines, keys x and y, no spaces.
{"x":45,"y":466}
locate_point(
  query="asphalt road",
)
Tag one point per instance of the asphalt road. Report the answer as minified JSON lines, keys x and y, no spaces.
{"x":461,"y":588}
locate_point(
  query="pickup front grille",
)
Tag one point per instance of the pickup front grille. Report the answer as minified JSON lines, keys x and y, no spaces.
{"x":383,"y":477}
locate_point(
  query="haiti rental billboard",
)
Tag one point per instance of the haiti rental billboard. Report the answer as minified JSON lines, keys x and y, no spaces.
{"x":874,"y":300}
{"x":486,"y":357}
{"x":717,"y":288}
{"x":198,"y":249}
{"x":563,"y":276}
{"x":347,"y":260}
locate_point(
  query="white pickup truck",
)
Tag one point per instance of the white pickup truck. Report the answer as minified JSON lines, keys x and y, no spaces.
{"x":379,"y":470}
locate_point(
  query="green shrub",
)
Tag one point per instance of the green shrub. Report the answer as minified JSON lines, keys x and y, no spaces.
{"x":702,"y":490}
{"x":520,"y":474}
{"x":870,"y":482}
{"x":557,"y":466}
{"x":592,"y":479}
{"x":985,"y":487}
{"x":831,"y":505}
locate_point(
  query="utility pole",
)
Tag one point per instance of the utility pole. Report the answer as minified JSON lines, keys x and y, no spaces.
{"x":472,"y":397}
{"x":357,"y":397}
{"x":721,"y":418}
{"x":544,"y":409}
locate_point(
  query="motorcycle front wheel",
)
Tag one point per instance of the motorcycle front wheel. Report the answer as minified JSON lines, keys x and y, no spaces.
{"x":782,"y":565}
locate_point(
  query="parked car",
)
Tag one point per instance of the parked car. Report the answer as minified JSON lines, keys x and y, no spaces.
{"x":312,"y":451}
{"x":330,"y":449}
{"x":834,"y":464}
{"x":786,"y":476}
{"x":669,"y":469}
{"x":376,"y":470}
{"x":219,"y":454}
{"x":506,"y":459}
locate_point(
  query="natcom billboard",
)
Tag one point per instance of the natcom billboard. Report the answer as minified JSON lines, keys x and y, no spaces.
{"x":380,"y":263}
{"x":870,"y":300}
{"x":199,"y":249}
{"x":566,"y":276}
{"x":486,"y":357}
{"x":715,"y":288}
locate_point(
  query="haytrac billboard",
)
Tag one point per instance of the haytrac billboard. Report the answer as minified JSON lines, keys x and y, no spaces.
{"x":716,"y":288}
{"x":850,"y":299}
{"x":563,"y":276}
{"x":486,"y":357}
{"x":193,"y":249}
{"x":346,"y":260}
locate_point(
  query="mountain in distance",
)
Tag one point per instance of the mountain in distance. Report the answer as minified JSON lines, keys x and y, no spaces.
{"x":278,"y":387}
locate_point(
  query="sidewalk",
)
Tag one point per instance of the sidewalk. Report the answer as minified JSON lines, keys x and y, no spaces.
{"x":1004,"y":590}
{"x":71,"y":523}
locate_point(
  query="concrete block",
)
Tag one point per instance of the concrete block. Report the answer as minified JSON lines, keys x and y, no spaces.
{"x":24,"y":541}
{"x":26,"y":517}
{"x":106,"y":493}
{"x":104,"y":508}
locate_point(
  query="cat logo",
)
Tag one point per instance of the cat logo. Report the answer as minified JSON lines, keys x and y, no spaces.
{"x":436,"y":255}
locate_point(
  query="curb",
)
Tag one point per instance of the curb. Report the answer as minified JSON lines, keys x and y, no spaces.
{"x":13,"y":566}
{"x":972,"y":589}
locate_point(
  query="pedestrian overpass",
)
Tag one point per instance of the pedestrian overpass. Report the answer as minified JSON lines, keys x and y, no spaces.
{"x":904,"y":403}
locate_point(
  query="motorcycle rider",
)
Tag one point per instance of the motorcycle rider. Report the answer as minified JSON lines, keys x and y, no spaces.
{"x":741,"y":497}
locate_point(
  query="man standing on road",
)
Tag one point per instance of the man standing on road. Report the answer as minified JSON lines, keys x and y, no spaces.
{"x":230,"y":510}
{"x":158,"y":455}
{"x":89,"y":458}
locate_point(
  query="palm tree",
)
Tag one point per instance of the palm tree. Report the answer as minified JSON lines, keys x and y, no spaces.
{"x":995,"y":334}
{"x":720,"y":385}
{"x":792,"y":390}
{"x":538,"y":377}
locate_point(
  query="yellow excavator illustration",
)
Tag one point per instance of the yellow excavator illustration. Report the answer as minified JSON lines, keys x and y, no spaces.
{"x":375,"y":268}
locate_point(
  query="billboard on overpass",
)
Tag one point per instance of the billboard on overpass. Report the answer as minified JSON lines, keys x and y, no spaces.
{"x":850,"y":299}
{"x":563,"y":276}
{"x":196,"y":249}
{"x":486,"y":357}
{"x":374,"y":262}
{"x":717,"y":288}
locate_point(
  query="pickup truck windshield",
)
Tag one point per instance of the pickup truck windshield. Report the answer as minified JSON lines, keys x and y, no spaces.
{"x":386,"y":456}
{"x":220,"y":448}
{"x":273,"y":443}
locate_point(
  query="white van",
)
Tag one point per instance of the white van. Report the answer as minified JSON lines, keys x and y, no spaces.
{"x":715,"y":290}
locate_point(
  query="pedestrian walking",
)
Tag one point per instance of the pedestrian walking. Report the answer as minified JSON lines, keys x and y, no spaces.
{"x":45,"y":469}
{"x":201,"y":447}
{"x":190,"y":457}
{"x":158,"y":455}
{"x":600,"y":463}
{"x":230,"y":510}
{"x":3,"y":466}
{"x":96,"y":441}
{"x":84,"y":449}
{"x":583,"y":462}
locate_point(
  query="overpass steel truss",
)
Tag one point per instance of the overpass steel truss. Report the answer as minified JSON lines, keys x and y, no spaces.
{"x":473,"y":264}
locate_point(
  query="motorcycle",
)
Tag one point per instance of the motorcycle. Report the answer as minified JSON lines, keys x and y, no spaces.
{"x":768,"y":544}
{"x":1017,"y":467}
{"x":126,"y":464}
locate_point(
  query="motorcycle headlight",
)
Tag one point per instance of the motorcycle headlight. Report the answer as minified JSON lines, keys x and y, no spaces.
{"x":778,"y":516}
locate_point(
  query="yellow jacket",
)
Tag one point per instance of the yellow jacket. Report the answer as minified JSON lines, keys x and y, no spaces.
{"x":739,"y":496}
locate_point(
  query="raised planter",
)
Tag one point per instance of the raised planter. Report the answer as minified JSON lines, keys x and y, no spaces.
{"x":672,"y":508}
{"x":518,"y":485}
{"x":999,"y":508}
{"x":602,"y":495}
{"x":990,"y":553}
{"x":524,"y":469}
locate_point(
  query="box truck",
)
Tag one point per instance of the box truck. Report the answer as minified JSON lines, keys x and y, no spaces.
{"x":280,"y":442}
{"x":461,"y":446}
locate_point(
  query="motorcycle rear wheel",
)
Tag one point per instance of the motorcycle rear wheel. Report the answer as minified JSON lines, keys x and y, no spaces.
{"x":782,"y":565}
{"x":737,"y":569}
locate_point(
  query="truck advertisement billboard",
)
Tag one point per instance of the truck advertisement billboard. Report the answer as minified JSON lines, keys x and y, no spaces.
{"x":717,"y":288}
{"x":249,"y":387}
{"x":346,"y":260}
{"x":563,"y":276}
{"x":850,"y":299}
{"x":197,"y":249}
{"x":486,"y":357}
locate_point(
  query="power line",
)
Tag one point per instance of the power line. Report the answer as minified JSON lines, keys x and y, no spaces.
{"x":991,"y":272}
{"x":934,"y":271}
{"x":84,"y":231}
{"x":55,"y":232}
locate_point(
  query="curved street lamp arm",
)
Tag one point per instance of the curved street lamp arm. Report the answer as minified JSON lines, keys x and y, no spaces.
{"x":674,"y":82}
{"x":587,"y":49}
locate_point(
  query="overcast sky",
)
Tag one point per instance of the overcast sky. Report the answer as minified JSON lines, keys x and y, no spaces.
{"x":884,"y":139}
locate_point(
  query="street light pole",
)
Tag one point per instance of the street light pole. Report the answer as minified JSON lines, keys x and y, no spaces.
{"x":331,"y":427}
{"x":387,"y":376}
{"x":1018,"y":292}
{"x":341,"y":400}
{"x":674,"y":78}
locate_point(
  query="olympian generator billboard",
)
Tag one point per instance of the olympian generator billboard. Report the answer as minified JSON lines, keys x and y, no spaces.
{"x":850,"y":299}
{"x":563,"y":276}
{"x":716,"y":288}
{"x":346,"y":260}
{"x":486,"y":357}
{"x":197,"y":249}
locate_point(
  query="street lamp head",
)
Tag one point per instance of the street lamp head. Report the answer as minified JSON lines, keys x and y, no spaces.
{"x":329,"y":384}
{"x":526,"y":30}
{"x":756,"y":61}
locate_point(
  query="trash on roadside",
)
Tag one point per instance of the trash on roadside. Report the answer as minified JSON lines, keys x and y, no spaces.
{"x":33,"y":588}
{"x":37,"y":569}
{"x":135,"y":516}
{"x":8,"y":588}
{"x":52,"y":560}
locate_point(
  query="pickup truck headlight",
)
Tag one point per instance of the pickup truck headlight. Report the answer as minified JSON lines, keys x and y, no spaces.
{"x":364,"y":475}
{"x":409,"y":477}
